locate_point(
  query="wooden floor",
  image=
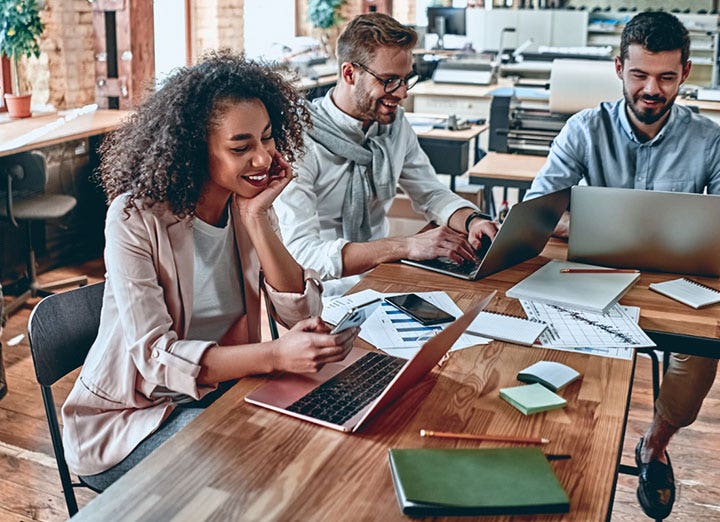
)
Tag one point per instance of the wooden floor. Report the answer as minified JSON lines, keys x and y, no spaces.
{"x":30,"y":488}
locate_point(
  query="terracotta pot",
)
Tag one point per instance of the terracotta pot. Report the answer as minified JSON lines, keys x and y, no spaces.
{"x":18,"y":106}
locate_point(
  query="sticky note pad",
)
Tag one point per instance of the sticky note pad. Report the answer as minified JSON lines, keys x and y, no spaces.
{"x":532,"y":398}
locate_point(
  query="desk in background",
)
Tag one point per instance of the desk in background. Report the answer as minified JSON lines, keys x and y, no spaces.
{"x":239,"y":461}
{"x":449,"y":151}
{"x":497,"y":169}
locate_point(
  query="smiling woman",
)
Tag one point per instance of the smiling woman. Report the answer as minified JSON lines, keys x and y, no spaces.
{"x":191,"y":179}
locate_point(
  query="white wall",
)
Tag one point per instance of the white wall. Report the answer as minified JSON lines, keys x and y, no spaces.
{"x":268,"y":22}
{"x":169,"y":27}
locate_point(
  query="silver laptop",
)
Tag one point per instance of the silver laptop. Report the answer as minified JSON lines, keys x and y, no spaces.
{"x":522,"y":236}
{"x":649,"y":230}
{"x":344,"y":395}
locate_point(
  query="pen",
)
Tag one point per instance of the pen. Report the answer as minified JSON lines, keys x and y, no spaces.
{"x":496,"y":438}
{"x":599,"y":271}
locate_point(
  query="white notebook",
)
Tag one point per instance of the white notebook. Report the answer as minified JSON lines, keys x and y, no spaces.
{"x":552,"y":375}
{"x":592,"y":292}
{"x":688,"y":292}
{"x":507,"y":328}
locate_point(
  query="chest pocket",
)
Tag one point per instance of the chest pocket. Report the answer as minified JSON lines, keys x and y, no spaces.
{"x":677,"y":185}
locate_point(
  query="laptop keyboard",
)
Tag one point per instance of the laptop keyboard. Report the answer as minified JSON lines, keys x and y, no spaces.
{"x":466,"y":268}
{"x":341,"y":397}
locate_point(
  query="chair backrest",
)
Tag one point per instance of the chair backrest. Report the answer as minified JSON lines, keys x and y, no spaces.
{"x":28,"y":171}
{"x":61,"y":329}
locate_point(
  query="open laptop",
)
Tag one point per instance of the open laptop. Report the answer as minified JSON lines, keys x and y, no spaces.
{"x":344,"y":395}
{"x":649,"y":230}
{"x":523,"y":235}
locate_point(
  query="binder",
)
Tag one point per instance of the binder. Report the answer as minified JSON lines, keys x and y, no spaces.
{"x":493,"y":481}
{"x":593,"y":292}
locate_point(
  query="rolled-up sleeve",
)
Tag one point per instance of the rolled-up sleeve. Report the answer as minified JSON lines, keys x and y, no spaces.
{"x":419,"y":181}
{"x":296,"y":208}
{"x":147,"y":327}
{"x":290,"y":308}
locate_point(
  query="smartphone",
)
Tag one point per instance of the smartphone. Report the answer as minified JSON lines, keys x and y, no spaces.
{"x":356,"y":316}
{"x":419,"y":309}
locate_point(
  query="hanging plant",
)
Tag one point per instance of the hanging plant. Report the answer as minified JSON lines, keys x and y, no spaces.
{"x":325,"y":14}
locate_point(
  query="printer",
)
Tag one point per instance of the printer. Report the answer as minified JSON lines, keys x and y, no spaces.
{"x":472,"y":71}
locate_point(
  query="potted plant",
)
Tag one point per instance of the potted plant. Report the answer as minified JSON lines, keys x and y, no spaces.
{"x":20,"y":28}
{"x":325,"y":15}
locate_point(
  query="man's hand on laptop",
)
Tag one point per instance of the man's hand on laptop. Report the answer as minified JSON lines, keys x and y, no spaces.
{"x":562,"y":229}
{"x":308,"y":346}
{"x":481,"y":227}
{"x":440,"y":242}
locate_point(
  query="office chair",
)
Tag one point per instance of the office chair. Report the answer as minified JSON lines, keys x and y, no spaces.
{"x":61,"y":330}
{"x":22,"y":189}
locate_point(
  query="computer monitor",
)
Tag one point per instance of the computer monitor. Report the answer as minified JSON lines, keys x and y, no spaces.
{"x":450,"y":19}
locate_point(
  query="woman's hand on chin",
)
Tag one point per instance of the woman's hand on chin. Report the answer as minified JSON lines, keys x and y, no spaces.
{"x":279,"y":177}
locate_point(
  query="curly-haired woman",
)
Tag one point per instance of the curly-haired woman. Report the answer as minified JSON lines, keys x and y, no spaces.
{"x":191,"y":178}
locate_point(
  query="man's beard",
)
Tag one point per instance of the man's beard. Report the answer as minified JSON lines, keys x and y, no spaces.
{"x":368,"y":107}
{"x":648,"y":116}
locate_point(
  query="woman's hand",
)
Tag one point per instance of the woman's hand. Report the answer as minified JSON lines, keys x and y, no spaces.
{"x":279,"y":176}
{"x":308,"y":346}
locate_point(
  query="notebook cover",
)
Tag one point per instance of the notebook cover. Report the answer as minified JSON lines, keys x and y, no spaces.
{"x":594,"y":292}
{"x":496,"y":481}
{"x":507,"y":328}
{"x":687,"y":292}
{"x":532,"y":398}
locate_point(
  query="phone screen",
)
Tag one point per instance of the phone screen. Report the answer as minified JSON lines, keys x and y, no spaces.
{"x":419,"y":309}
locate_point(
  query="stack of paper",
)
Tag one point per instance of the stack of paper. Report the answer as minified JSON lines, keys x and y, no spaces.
{"x":532,"y":398}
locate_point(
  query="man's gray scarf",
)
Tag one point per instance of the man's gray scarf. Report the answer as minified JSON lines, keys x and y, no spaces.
{"x":369,"y":168}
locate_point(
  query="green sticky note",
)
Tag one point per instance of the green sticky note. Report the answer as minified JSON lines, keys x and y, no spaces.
{"x":532,"y":398}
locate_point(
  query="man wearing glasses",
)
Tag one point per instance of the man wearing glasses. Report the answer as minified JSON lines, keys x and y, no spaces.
{"x":333,"y":218}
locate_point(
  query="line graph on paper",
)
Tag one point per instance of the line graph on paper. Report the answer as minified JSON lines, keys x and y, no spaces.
{"x":612,"y":334}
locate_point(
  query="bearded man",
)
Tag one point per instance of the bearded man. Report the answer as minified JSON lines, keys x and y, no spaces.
{"x":333,"y":217}
{"x":646,"y":142}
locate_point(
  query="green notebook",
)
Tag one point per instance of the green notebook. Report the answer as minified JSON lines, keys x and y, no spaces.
{"x":532,"y":398}
{"x":496,"y":481}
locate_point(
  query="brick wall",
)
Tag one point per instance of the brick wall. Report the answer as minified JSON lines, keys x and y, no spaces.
{"x":216,"y":24}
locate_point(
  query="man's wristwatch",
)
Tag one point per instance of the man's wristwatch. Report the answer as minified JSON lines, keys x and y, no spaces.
{"x":474,"y":215}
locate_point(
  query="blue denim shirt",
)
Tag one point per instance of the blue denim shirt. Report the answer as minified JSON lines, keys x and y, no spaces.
{"x":599,"y":146}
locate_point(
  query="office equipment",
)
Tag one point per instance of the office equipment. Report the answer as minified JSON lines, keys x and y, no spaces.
{"x":650,"y":230}
{"x":590,"y":292}
{"x":507,"y":328}
{"x":580,"y":84}
{"x":494,"y":481}
{"x":691,"y":293}
{"x":553,"y":375}
{"x":495,"y":438}
{"x":349,"y":392}
{"x":614,"y":333}
{"x":446,"y":20}
{"x":522,"y":235}
{"x":532,"y":398}
{"x":62,"y":328}
{"x":470,"y":71}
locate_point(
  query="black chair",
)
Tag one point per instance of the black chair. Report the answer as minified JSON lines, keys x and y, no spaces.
{"x":61,"y":330}
{"x":22,"y":189}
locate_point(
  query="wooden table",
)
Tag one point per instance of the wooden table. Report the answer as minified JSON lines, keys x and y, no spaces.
{"x":237,"y":461}
{"x":497,"y":169}
{"x":84,"y":126}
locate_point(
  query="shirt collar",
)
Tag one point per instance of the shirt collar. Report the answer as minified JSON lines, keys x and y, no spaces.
{"x":628,"y":128}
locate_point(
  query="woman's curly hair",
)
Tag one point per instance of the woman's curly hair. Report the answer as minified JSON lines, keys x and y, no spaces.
{"x":160,"y":155}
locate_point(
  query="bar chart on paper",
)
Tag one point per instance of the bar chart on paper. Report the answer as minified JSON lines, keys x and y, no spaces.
{"x":613,"y":334}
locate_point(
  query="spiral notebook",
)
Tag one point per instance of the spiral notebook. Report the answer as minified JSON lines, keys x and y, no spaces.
{"x":507,"y":328}
{"x":688,"y":292}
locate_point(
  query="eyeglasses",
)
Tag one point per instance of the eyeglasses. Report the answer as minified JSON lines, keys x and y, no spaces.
{"x":392,"y":84}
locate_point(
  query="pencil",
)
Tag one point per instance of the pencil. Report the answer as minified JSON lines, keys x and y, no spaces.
{"x":496,"y":438}
{"x":598,"y":271}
